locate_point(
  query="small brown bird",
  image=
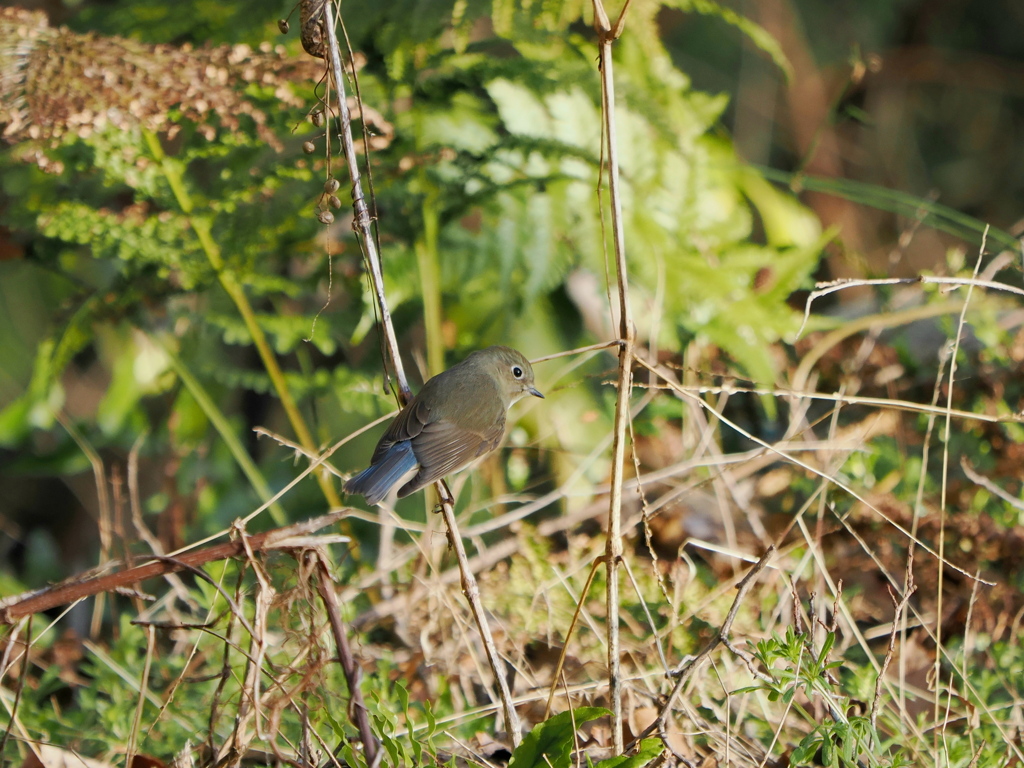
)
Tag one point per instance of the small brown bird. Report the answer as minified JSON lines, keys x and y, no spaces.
{"x":458,"y":416}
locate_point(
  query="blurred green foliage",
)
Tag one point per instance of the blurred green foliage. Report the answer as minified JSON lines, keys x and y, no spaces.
{"x":485,"y":202}
{"x":117,"y":320}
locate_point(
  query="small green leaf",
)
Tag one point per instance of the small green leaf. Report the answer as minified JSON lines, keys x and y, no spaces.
{"x":549,"y":743}
{"x":828,"y":751}
{"x":826,"y":646}
{"x":428,"y":713}
{"x":648,"y":750}
{"x":805,"y":750}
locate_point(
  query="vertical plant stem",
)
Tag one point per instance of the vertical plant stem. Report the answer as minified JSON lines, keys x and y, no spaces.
{"x":372,"y":260}
{"x":362,"y":224}
{"x":13,"y":722}
{"x":430,"y":285}
{"x":357,"y":710}
{"x":472,"y":593}
{"x":944,"y":491}
{"x":136,"y":729}
{"x":229,"y":282}
{"x":613,"y":551}
{"x":560,"y":665}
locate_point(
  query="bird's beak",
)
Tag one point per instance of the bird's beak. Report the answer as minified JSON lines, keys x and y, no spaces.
{"x":535,"y":392}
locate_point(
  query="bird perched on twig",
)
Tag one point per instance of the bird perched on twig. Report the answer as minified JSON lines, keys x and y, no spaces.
{"x":458,"y":416}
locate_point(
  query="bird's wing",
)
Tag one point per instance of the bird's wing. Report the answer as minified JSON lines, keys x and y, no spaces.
{"x":442,"y":447}
{"x":407,"y":425}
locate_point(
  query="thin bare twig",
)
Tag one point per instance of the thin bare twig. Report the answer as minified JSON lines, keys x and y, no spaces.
{"x":136,"y":729}
{"x":362,"y":223}
{"x":840,"y":398}
{"x":686,"y":670}
{"x":472,"y":593}
{"x":559,"y":667}
{"x":12,"y":709}
{"x":944,"y":486}
{"x":607,"y":35}
{"x":824,"y":289}
{"x":359,"y":713}
{"x":73,"y":591}
{"x":988,"y":485}
{"x":103,"y":501}
{"x":363,"y":227}
{"x":789,"y":457}
{"x":900,"y":605}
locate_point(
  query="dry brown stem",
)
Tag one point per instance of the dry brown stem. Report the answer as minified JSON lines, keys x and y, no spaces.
{"x":359,"y":713}
{"x":607,"y":35}
{"x":687,"y":669}
{"x":14,"y":608}
{"x":363,"y":226}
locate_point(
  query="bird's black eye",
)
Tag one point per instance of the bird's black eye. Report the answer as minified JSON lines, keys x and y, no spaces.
{"x":517,"y":371}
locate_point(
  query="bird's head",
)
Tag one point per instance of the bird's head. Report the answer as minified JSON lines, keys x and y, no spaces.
{"x":510,"y":370}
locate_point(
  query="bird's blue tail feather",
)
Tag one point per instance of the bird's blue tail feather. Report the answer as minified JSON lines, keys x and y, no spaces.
{"x":375,"y":481}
